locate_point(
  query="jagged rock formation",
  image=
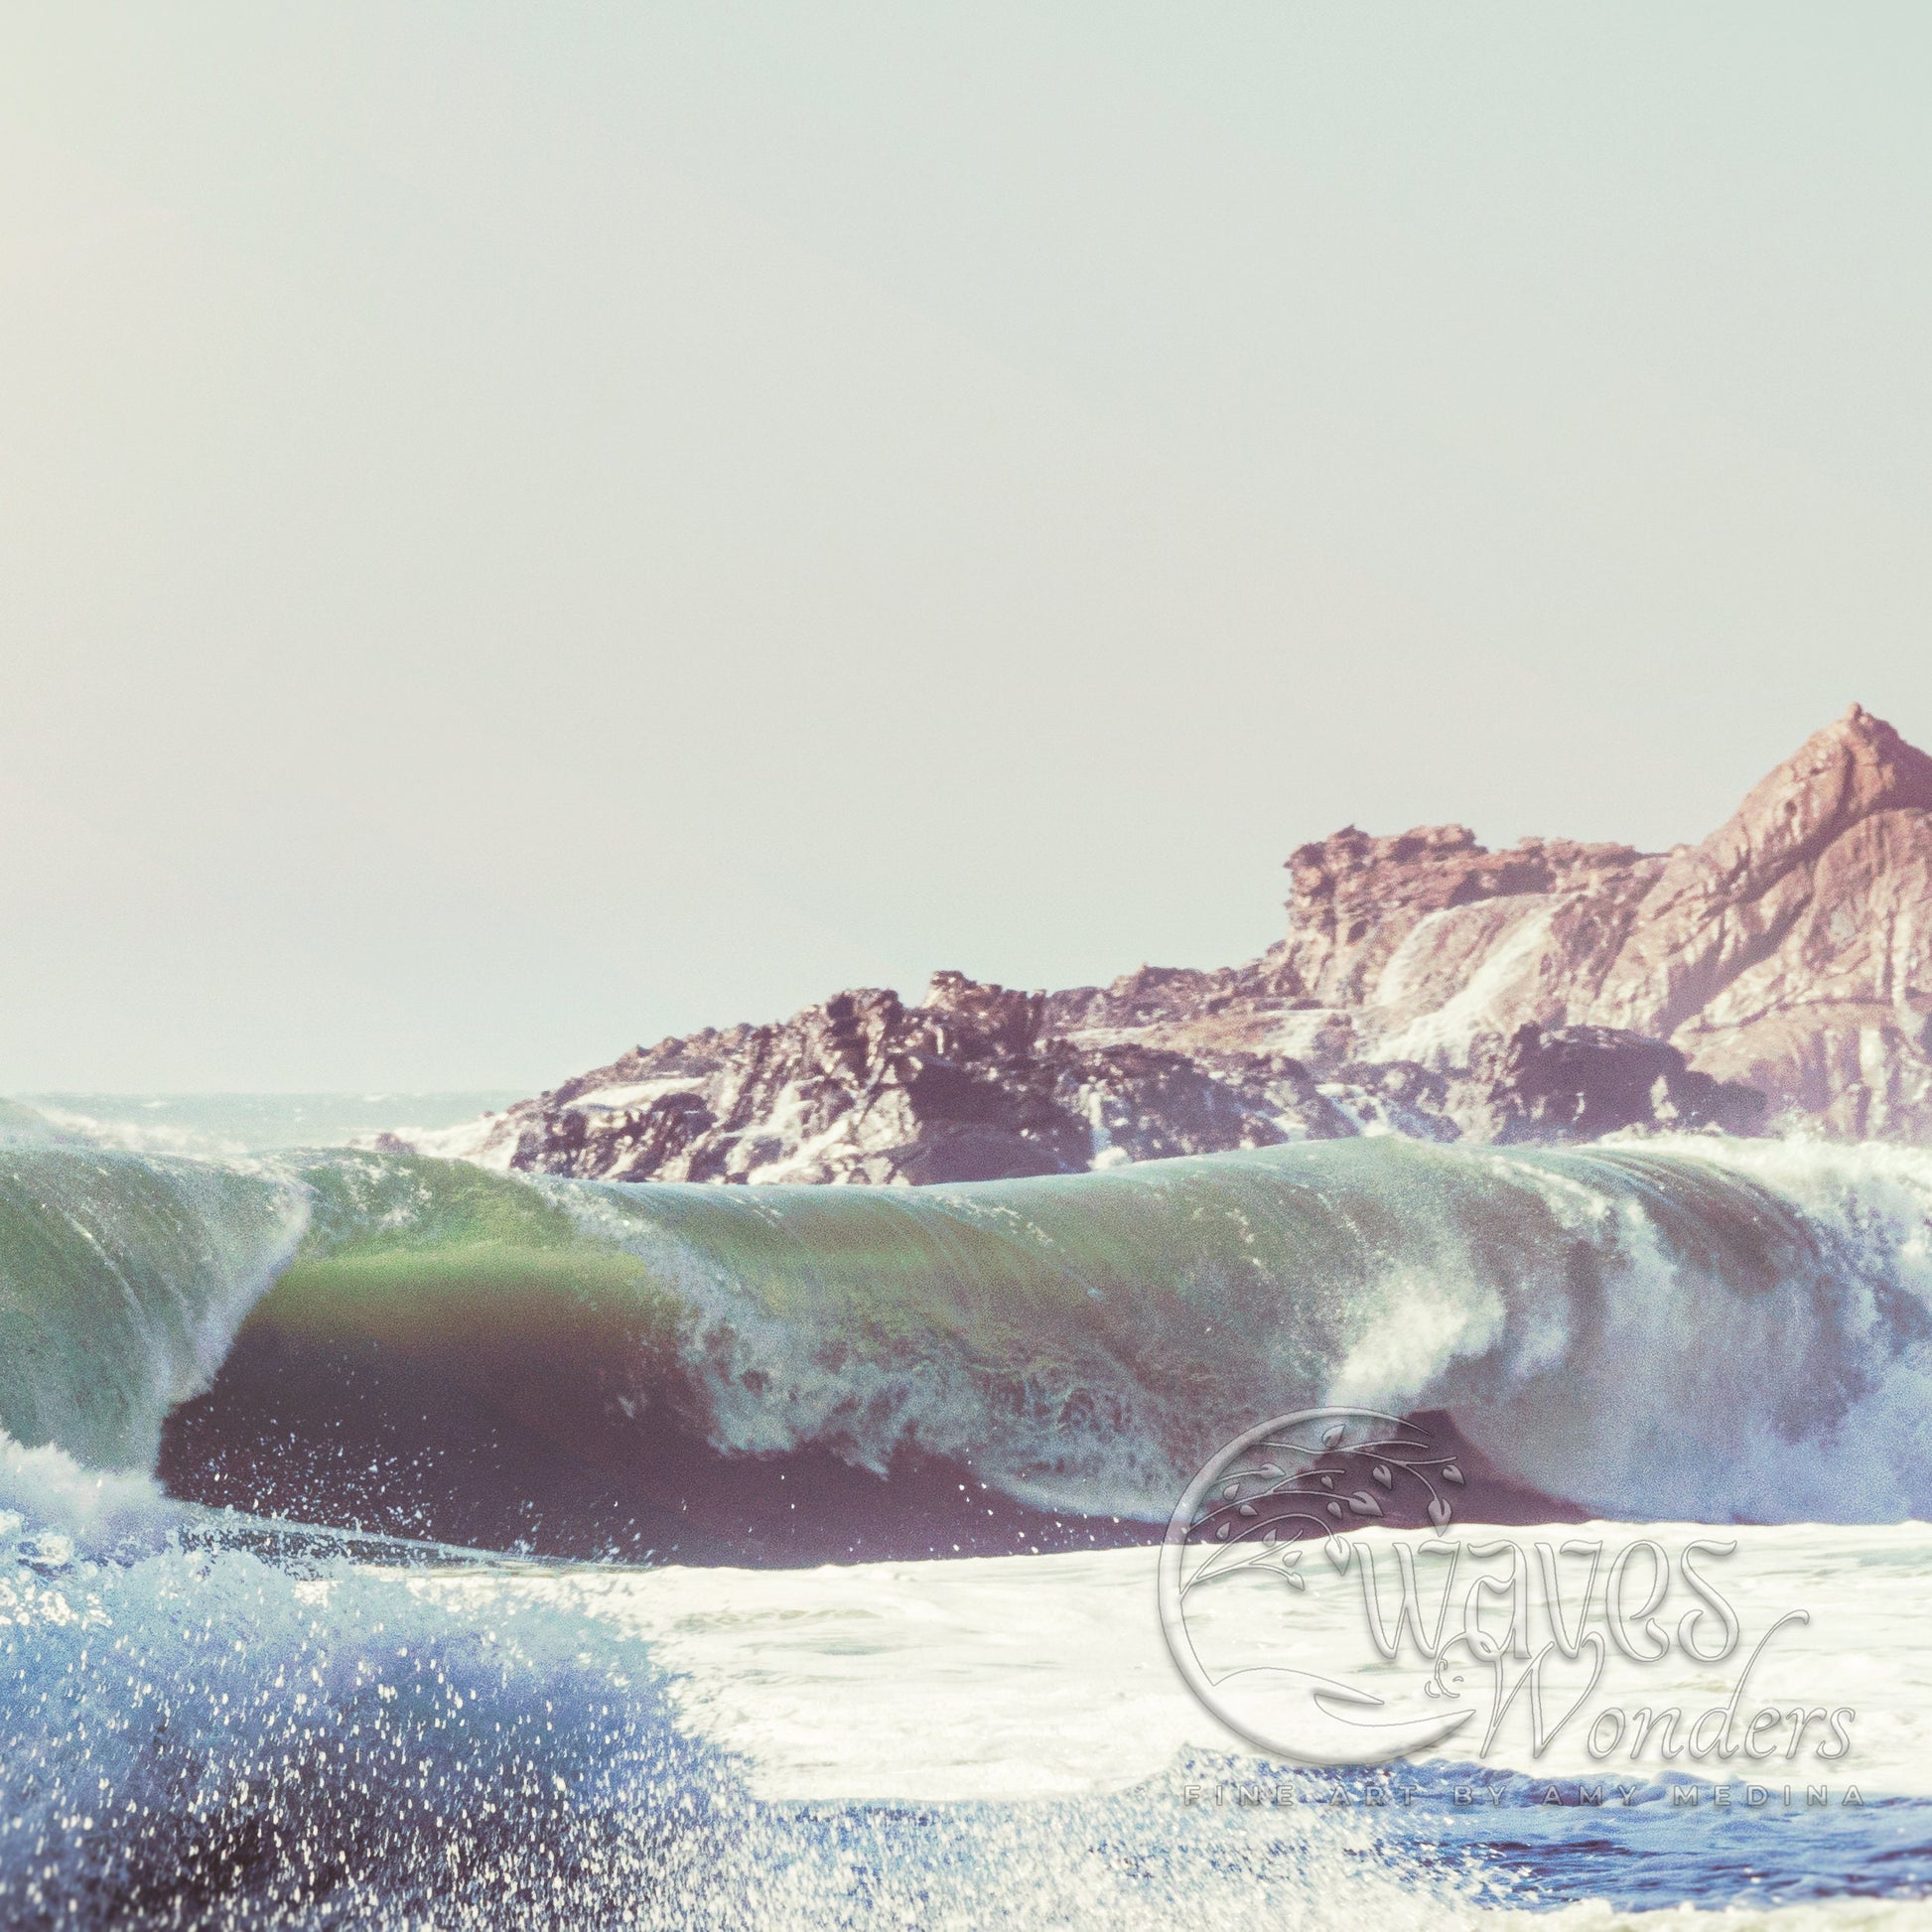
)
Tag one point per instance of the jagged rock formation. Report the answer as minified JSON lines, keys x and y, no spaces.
{"x":1779,"y":973}
{"x":1581,"y":1082}
{"x":964,"y":1086}
{"x":1791,"y":951}
{"x":1358,"y":900}
{"x":1793,"y":948}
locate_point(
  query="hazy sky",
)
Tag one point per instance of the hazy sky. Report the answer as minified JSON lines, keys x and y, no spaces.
{"x":527,"y":528}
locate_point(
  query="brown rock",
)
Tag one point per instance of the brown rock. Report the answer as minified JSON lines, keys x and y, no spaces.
{"x":1793,"y":948}
{"x":1791,"y":951}
{"x":1357,"y":898}
{"x":1426,"y":986}
{"x":1581,"y":1082}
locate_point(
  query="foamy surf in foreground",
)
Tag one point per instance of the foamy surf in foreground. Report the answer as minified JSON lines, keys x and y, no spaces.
{"x":1034,"y":1677}
{"x":201,"y":1736}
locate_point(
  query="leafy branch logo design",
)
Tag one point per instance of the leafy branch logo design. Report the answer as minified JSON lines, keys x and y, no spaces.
{"x":1286,"y":1489}
{"x":1254,"y":1509}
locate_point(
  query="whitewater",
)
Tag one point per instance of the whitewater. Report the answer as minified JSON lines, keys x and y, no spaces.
{"x":384,"y":1541}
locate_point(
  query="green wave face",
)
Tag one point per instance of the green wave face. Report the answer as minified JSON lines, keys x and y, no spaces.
{"x":1695,"y":1330}
{"x":121,"y":1283}
{"x":1079,"y":1338}
{"x":1705,"y":1329}
{"x":481,"y":1275}
{"x":1661,"y":1330}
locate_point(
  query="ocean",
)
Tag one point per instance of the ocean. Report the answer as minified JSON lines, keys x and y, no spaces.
{"x":388,"y":1543}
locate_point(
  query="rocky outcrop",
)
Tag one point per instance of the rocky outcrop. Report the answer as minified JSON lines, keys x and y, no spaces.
{"x":967,"y":1085}
{"x":1779,"y":973}
{"x":1791,"y":951}
{"x":1793,"y":948}
{"x":1582,"y":1082}
{"x":1358,"y":900}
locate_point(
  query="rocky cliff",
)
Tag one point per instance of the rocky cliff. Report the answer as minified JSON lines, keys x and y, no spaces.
{"x":1779,"y":973}
{"x":1790,"y":951}
{"x":968,"y":1085}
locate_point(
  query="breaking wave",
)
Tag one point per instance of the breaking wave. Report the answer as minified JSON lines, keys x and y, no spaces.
{"x":1702,"y":1328}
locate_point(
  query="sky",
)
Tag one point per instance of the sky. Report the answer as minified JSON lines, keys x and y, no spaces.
{"x":524,"y":529}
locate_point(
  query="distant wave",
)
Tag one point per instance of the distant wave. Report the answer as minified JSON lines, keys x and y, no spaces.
{"x":1702,"y":1328}
{"x":223,"y":1125}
